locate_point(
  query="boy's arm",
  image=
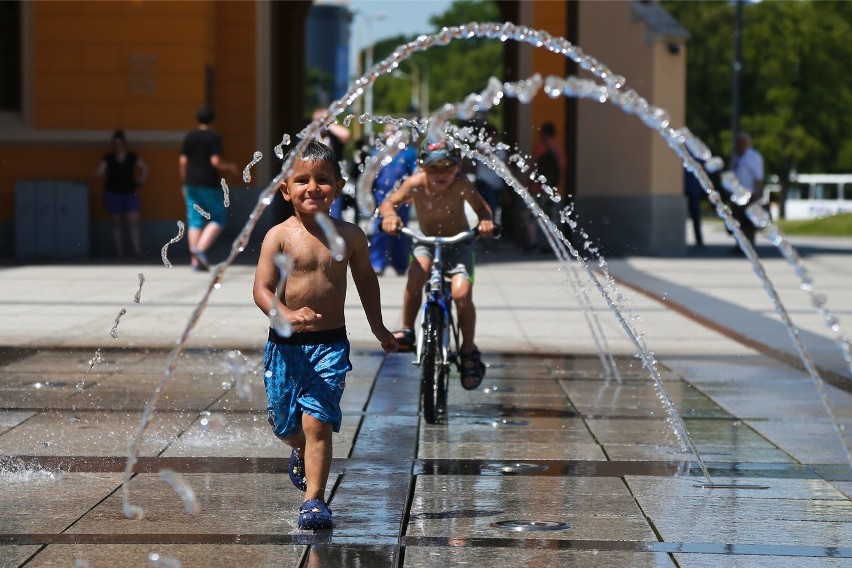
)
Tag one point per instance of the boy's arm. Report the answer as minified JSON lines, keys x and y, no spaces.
{"x":143,"y":172}
{"x":222,"y":167}
{"x":368,"y":288}
{"x":100,"y":172}
{"x":387,"y":210}
{"x":266,"y":275}
{"x":481,"y":208}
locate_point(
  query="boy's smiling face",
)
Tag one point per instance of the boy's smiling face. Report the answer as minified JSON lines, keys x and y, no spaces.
{"x":312,"y":186}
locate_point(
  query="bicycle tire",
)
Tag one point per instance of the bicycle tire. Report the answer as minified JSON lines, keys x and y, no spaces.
{"x":433,"y":384}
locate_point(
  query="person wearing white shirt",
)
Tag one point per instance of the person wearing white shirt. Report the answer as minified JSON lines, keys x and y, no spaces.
{"x":748,"y":167}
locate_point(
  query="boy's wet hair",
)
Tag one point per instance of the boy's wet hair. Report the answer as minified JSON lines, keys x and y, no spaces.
{"x":316,"y":151}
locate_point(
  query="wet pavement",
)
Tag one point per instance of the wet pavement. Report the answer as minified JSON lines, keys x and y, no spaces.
{"x":553,"y":461}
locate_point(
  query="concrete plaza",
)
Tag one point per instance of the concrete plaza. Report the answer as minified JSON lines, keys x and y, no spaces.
{"x":556,"y":460}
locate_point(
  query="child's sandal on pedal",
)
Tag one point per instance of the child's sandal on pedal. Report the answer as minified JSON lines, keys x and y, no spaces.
{"x":405,"y":340}
{"x":472,"y":369}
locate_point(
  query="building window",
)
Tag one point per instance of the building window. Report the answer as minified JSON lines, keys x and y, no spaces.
{"x":10,"y":56}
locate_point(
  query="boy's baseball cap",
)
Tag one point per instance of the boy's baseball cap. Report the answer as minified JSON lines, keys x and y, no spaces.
{"x":439,"y":153}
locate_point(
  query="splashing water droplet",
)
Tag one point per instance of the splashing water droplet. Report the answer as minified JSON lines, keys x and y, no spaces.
{"x":714,"y":164}
{"x":171,"y":242}
{"x":336,"y":244}
{"x":138,"y":296}
{"x":201,"y":211}
{"x":210,"y":421}
{"x":279,"y":148}
{"x":276,"y":315}
{"x":258,"y":156}
{"x":182,"y":488}
{"x":158,"y":560}
{"x":227,"y":196}
{"x":132,"y":511}
{"x":114,"y":331}
{"x":96,"y":358}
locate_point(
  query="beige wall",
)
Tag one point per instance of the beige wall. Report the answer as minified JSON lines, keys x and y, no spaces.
{"x":551,"y":17}
{"x":617,"y":154}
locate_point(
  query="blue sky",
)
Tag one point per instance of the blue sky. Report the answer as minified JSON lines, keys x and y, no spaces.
{"x":393,"y":17}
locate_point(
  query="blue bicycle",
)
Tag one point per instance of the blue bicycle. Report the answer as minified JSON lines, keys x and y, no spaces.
{"x":438,"y":342}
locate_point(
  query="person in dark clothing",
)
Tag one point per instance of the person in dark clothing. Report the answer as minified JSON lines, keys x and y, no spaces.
{"x":201,"y":166}
{"x":551,"y":163}
{"x":123,"y":173}
{"x":694,"y":193}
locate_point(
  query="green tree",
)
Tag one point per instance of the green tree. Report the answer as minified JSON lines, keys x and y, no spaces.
{"x":455,"y":70}
{"x":795,"y":90}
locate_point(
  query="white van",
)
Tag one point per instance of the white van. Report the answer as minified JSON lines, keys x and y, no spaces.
{"x":811,"y":196}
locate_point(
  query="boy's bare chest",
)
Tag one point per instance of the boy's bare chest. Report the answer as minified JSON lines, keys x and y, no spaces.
{"x":438,"y":203}
{"x":308,"y":254}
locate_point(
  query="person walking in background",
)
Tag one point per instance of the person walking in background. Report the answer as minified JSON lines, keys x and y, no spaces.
{"x":550,"y":162}
{"x":747,"y":165}
{"x":384,"y":247}
{"x":201,"y":166}
{"x":694,"y":193}
{"x":124,"y":172}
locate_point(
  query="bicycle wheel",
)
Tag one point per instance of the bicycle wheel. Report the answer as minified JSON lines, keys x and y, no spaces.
{"x":433,"y":383}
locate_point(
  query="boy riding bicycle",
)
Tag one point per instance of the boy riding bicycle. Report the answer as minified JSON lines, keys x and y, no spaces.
{"x":438,"y":194}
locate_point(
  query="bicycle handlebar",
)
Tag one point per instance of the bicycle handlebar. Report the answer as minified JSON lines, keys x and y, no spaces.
{"x":420,"y":237}
{"x":464,"y":235}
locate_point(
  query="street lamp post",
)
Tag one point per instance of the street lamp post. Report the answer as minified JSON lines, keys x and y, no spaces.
{"x":735,"y":88}
{"x":414,"y":78}
{"x":423,"y":74}
{"x":368,"y":97}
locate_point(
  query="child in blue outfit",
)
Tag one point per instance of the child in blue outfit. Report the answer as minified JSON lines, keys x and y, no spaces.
{"x":305,"y":372}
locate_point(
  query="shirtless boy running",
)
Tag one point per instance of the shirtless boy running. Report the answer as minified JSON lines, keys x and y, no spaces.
{"x":305,"y":372}
{"x":439,"y":193}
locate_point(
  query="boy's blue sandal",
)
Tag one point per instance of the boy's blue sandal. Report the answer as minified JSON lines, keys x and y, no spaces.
{"x":472,"y":369}
{"x":314,"y":514}
{"x":297,"y":471}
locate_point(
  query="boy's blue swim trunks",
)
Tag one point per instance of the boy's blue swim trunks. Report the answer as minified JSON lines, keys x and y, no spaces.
{"x":305,"y":372}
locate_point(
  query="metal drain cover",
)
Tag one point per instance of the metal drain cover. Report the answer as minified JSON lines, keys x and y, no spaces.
{"x":524,"y":525}
{"x":497,"y":389}
{"x":49,"y":385}
{"x":514,"y":467}
{"x":502,"y":422}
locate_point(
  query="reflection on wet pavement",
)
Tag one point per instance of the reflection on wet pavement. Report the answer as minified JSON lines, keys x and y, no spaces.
{"x":547,"y":442}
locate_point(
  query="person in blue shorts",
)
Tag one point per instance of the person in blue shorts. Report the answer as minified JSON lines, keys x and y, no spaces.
{"x":304,"y":372}
{"x":201,"y":167}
